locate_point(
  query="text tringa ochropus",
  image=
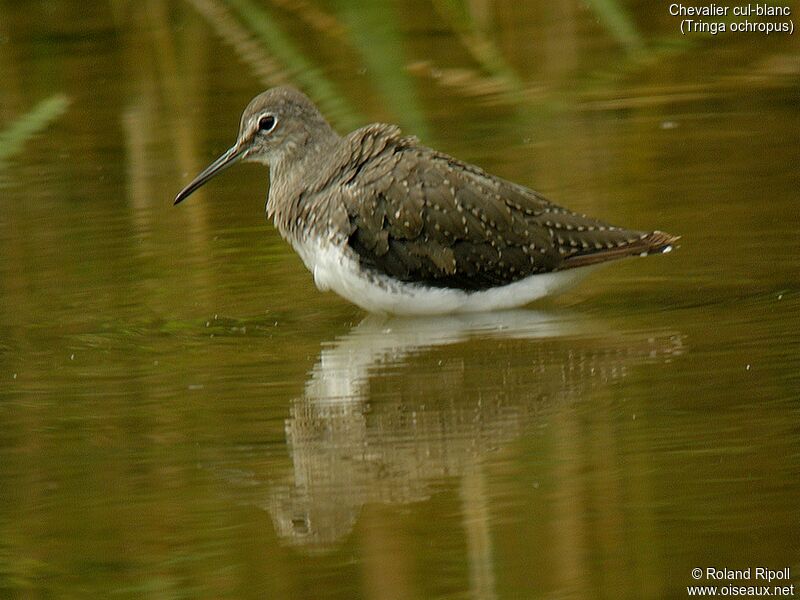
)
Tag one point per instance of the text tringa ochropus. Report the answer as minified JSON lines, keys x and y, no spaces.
{"x":396,"y":227}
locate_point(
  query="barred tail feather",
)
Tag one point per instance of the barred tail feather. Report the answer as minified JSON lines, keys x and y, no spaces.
{"x":657,"y":242}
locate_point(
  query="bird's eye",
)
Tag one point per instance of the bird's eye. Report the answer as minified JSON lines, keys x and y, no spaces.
{"x":266,"y":123}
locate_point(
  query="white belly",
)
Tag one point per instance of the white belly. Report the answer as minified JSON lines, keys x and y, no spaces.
{"x":334,"y":270}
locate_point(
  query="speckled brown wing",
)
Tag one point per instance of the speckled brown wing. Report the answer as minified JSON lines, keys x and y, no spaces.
{"x":420,"y":216}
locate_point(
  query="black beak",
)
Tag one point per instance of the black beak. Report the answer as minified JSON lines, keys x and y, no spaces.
{"x":232,"y":156}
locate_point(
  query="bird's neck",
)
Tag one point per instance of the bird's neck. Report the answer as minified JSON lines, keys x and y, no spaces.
{"x":297,"y":201}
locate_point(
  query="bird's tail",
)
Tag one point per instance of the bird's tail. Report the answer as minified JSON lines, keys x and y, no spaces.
{"x":656,"y":242}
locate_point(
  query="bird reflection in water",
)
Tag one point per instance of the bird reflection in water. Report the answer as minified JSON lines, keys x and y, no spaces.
{"x":397,"y":406}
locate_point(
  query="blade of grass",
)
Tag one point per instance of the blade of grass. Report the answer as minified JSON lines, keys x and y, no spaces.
{"x":301,"y":69}
{"x":618,"y":23}
{"x":29,"y":124}
{"x":374,"y":33}
{"x":477,"y":42}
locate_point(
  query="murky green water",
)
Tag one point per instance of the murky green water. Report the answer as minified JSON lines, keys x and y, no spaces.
{"x":183,"y":415}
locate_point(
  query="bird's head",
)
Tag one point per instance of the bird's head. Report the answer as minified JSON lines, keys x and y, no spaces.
{"x":274,"y":125}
